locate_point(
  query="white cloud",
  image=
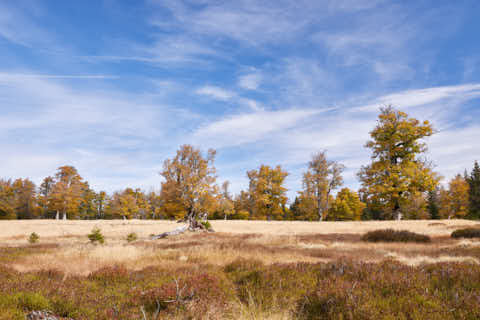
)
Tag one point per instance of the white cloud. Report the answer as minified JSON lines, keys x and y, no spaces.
{"x":250,"y":81}
{"x":110,"y":136}
{"x":250,"y":127}
{"x":215,"y":92}
{"x":419,"y":97}
{"x":455,"y":150}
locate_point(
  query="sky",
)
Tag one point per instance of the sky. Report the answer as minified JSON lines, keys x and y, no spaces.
{"x":114,"y":87}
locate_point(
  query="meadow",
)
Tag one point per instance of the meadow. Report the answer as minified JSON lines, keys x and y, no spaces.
{"x":244,"y":270}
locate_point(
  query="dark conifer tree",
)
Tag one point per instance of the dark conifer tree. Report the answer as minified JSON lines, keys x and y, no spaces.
{"x":474,"y":192}
{"x":432,"y":204}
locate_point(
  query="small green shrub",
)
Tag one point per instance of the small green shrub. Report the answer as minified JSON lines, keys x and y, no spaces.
{"x":65,"y":308}
{"x":390,"y":235}
{"x":466,"y":233}
{"x":96,"y":236}
{"x":33,"y":238}
{"x":32,"y":301}
{"x":207,"y":225}
{"x":132,"y":237}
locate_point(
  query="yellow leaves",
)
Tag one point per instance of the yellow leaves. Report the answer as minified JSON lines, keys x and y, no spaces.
{"x":189,"y":180}
{"x":455,"y":200}
{"x":267,"y":191}
{"x":396,"y":172}
{"x":347,"y":206}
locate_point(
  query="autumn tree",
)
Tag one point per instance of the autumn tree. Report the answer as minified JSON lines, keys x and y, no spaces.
{"x":346,"y":206}
{"x":455,"y":200}
{"x":123,"y":205}
{"x":416,"y":207}
{"x":225,"y":203}
{"x":87,"y":207}
{"x":304,"y":207}
{"x":322,"y":177}
{"x":25,"y":199}
{"x":397,"y":172}
{"x":67,"y":192}
{"x":242,"y":206}
{"x":44,"y":195}
{"x":474,"y":191}
{"x":154,"y":205}
{"x":189,"y":184}
{"x":267,"y":192}
{"x":100,"y":204}
{"x":7,"y":200}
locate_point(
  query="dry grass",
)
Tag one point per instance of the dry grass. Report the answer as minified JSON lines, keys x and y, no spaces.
{"x":269,"y":242}
{"x":13,"y":230}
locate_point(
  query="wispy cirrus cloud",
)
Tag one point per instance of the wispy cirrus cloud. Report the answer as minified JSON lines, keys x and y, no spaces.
{"x":215,"y":92}
{"x":250,"y":127}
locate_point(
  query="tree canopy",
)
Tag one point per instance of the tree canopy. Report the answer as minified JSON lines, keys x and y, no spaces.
{"x":398,"y":182}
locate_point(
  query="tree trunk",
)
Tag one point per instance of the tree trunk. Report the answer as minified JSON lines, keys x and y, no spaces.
{"x":326,"y":202}
{"x":192,"y":224}
{"x":320,"y":211}
{"x":179,"y":230}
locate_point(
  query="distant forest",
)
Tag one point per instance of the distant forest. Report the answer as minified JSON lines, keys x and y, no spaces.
{"x":398,"y":183}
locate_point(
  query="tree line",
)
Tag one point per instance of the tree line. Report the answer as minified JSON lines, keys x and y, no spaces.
{"x":398,"y":183}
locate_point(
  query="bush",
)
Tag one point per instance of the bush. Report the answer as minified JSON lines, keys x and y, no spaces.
{"x":207,"y":225}
{"x":390,"y":235}
{"x":33,"y":238}
{"x":466,"y":233}
{"x":96,"y":236}
{"x":32,"y":301}
{"x":132,"y":237}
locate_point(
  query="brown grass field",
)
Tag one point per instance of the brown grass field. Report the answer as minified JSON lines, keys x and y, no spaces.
{"x":245,"y":270}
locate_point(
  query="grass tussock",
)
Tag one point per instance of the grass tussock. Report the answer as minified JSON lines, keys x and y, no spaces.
{"x":390,"y":235}
{"x":466,"y":233}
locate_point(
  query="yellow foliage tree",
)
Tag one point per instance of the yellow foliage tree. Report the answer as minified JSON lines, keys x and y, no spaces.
{"x":66,"y":196}
{"x":347,"y":206}
{"x":267,"y":193}
{"x":397,"y":171}
{"x":7,"y":200}
{"x":454,"y":202}
{"x":189,"y":188}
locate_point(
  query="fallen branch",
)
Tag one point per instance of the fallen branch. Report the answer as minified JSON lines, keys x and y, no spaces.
{"x":193,"y":225}
{"x":179,"y":296}
{"x":179,"y":230}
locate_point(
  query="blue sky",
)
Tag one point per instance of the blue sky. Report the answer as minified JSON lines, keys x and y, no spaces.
{"x":113,"y":87}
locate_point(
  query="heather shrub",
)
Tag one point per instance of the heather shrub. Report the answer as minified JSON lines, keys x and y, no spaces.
{"x":9,"y":308}
{"x":65,"y":308}
{"x":33,"y":238}
{"x":96,"y":236}
{"x":32,"y":301}
{"x":110,"y":275}
{"x":466,"y":233}
{"x":270,"y":287}
{"x":132,"y":237}
{"x":390,"y":235}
